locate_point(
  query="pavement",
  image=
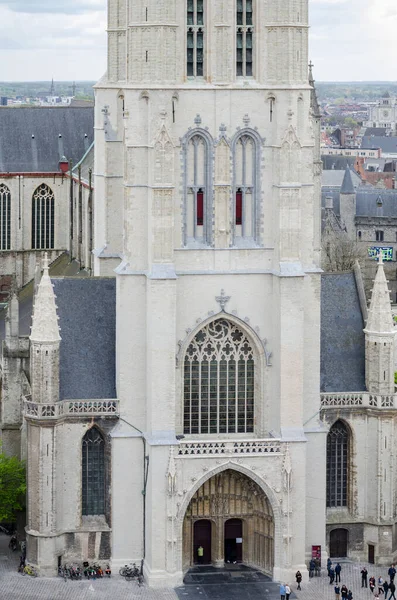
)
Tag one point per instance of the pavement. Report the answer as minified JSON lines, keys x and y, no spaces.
{"x":231,"y":583}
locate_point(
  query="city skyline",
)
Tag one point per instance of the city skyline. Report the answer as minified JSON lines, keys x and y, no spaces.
{"x":350,"y":40}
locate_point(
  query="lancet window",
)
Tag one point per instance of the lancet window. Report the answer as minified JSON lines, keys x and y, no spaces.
{"x":245,"y":187}
{"x":195,"y":38}
{"x":219,"y":374}
{"x":5,"y":217}
{"x":338,"y":449}
{"x":198,"y":190}
{"x":93,"y":473}
{"x":244,"y":38}
{"x":43,"y":218}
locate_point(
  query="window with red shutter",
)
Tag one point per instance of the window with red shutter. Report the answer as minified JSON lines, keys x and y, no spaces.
{"x":239,"y":207}
{"x":200,"y":207}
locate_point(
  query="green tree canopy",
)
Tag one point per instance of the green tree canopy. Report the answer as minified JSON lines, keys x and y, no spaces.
{"x":12,"y":487}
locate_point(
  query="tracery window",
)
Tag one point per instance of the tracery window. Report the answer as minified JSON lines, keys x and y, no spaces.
{"x":338,"y":442}
{"x":195,"y":38}
{"x":198,"y":190}
{"x":244,"y":38}
{"x":93,"y":473}
{"x":5,"y":217}
{"x":245,"y":187}
{"x":43,"y":218}
{"x":219,"y":381}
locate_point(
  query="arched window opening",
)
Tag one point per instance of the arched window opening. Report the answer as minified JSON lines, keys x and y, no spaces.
{"x":43,"y":218}
{"x":195,"y":38}
{"x":93,"y":473}
{"x":198,"y":195}
{"x":219,"y":382}
{"x":244,"y":38}
{"x":338,"y":449}
{"x":5,"y":217}
{"x":245,"y":188}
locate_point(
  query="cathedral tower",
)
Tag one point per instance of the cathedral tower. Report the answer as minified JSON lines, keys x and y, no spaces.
{"x":208,"y":209}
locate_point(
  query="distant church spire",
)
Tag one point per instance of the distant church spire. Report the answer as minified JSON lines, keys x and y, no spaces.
{"x":52,"y":90}
{"x":380,"y":319}
{"x":45,"y":326}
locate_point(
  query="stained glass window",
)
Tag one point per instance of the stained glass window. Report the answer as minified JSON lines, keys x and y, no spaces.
{"x":337,"y":465}
{"x":219,"y":381}
{"x":43,"y":218}
{"x":5,"y":217}
{"x":93,"y":473}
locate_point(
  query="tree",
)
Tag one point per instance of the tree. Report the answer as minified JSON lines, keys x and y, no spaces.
{"x":12,"y":487}
{"x":339,"y":251}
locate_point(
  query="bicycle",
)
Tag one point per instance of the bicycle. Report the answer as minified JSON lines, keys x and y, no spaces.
{"x":30,"y":570}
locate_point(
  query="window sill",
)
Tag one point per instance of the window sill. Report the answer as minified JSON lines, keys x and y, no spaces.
{"x":94,"y":523}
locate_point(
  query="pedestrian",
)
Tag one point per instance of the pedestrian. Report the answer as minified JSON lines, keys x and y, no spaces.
{"x":312,"y":566}
{"x":282,"y":591}
{"x":329,"y":563}
{"x":372,"y":584}
{"x":298,"y":577}
{"x":287,"y":592}
{"x":337,"y":592}
{"x":338,"y":569}
{"x":392,"y":589}
{"x":364,"y":577}
{"x":200,"y":554}
{"x":343,"y":592}
{"x":349,"y":595}
{"x":385,"y":587}
{"x":331,"y":575}
{"x":392,"y":572}
{"x":380,"y":585}
{"x":317,"y":566}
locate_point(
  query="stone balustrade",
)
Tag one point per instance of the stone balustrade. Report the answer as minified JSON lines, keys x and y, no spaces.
{"x":70,"y":408}
{"x":198,"y":449}
{"x":360,"y":399}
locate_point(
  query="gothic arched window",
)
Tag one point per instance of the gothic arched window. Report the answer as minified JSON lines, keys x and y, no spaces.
{"x":338,"y":450}
{"x":198,"y":210}
{"x":43,"y":218}
{"x":93,"y":473}
{"x":195,"y":38}
{"x":245,"y":218}
{"x":219,"y":374}
{"x":5,"y":217}
{"x":244,"y":38}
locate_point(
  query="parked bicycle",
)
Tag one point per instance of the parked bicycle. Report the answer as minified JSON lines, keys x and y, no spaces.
{"x":130,"y":572}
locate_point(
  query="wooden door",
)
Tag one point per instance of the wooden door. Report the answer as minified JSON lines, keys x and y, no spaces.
{"x":338,"y":541}
{"x":234,"y":540}
{"x":371,"y":554}
{"x":202,"y":537}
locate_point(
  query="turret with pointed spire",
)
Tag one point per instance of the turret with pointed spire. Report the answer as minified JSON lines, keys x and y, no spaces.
{"x":348,"y":203}
{"x":45,"y":341}
{"x":379,"y":337}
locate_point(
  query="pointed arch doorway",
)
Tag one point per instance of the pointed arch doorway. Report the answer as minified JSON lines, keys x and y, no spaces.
{"x":239,"y":523}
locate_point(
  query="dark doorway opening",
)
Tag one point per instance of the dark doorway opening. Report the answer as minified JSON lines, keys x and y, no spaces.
{"x":371,"y":554}
{"x":202,"y":538}
{"x":234,"y":541}
{"x":338,"y":540}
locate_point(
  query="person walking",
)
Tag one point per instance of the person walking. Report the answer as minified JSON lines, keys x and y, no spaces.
{"x":343,"y":592}
{"x":372,"y":584}
{"x":331,"y":574}
{"x":298,"y":577}
{"x":200,"y":554}
{"x":391,"y":573}
{"x":317,"y":566}
{"x":312,"y":566}
{"x":287,"y":592}
{"x":282,"y":591}
{"x":385,"y":587}
{"x":337,"y":592}
{"x":392,"y":589}
{"x":380,"y":585}
{"x":338,"y":569}
{"x":329,"y":564}
{"x":364,"y":577}
{"x":349,"y":595}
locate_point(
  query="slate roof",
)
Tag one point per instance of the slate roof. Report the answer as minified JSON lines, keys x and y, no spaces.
{"x":86,"y":163}
{"x":388,"y":144}
{"x":337,"y":162}
{"x":366,"y":202}
{"x":380,"y":131}
{"x":33,"y":139}
{"x":347,"y":184}
{"x":87,"y":318}
{"x":334,"y":178}
{"x":342,"y":336}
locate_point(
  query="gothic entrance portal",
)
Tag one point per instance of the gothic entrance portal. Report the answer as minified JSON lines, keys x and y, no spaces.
{"x":232,"y":520}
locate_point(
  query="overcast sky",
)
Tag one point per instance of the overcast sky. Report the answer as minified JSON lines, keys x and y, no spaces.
{"x":40,"y":39}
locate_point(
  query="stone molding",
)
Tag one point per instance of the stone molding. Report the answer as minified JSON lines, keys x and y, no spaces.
{"x":70,"y":408}
{"x":358,"y":399}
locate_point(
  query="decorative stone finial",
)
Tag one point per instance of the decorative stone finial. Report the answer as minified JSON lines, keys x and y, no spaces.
{"x":246,"y":120}
{"x":380,"y":318}
{"x":45,"y":326}
{"x":222,"y":300}
{"x":197,"y":120}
